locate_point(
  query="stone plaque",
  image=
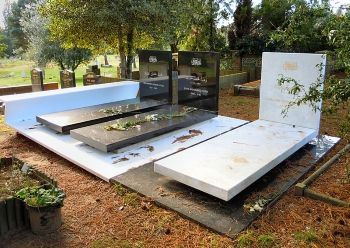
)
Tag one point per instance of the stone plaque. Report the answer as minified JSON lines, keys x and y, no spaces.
{"x":37,"y":78}
{"x":67,"y":78}
{"x":155,"y":74}
{"x":90,"y":78}
{"x":199,"y":83}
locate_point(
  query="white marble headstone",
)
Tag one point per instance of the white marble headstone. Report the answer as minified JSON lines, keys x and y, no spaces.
{"x":302,"y":67}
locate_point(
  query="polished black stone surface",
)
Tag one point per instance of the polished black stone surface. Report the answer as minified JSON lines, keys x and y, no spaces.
{"x":65,"y":121}
{"x":230,"y":217}
{"x":200,"y":82}
{"x":97,"y":136}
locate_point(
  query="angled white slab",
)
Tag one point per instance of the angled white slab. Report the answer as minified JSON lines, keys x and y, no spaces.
{"x":109,"y":165}
{"x":227,"y":164}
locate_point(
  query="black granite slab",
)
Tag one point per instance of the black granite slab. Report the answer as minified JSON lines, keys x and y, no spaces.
{"x":65,"y":121}
{"x":97,"y":136}
{"x":230,"y":217}
{"x":155,"y":74}
{"x":202,"y":81}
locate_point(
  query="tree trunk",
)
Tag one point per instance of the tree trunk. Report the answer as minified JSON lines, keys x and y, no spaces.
{"x":122,"y":54}
{"x":130,"y":55}
{"x":106,"y":59}
{"x":174,"y":48}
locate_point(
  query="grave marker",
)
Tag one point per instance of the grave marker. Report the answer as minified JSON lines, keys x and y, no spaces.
{"x":155,"y":74}
{"x":90,"y":78}
{"x":67,"y":79}
{"x":199,"y":83}
{"x":37,"y":79}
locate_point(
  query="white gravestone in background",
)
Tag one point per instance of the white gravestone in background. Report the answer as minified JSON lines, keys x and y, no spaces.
{"x":229,"y":163}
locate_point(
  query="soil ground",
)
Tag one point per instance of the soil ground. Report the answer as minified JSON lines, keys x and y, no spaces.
{"x":98,"y":214}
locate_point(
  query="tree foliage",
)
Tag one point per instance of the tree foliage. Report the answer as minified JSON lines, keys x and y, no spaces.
{"x":303,"y":31}
{"x":3,"y":46}
{"x":336,"y":91}
{"x":242,"y":23}
{"x":123,"y":25}
{"x":43,"y":50}
{"x":16,"y":39}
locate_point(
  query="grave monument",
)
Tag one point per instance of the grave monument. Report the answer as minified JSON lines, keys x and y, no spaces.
{"x":37,"y":79}
{"x":67,"y":79}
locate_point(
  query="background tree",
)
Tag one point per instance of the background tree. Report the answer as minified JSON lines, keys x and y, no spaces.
{"x":241,"y":30}
{"x":43,"y":50}
{"x":336,"y":91}
{"x":3,"y":46}
{"x":123,"y":25}
{"x":303,"y":32}
{"x":204,"y":33}
{"x":16,"y":38}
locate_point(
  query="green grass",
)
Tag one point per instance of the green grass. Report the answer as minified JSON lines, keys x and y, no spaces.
{"x":246,"y":239}
{"x":266,"y":240}
{"x":17,"y":72}
{"x":307,"y":236}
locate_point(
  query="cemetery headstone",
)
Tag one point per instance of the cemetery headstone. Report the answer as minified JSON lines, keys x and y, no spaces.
{"x":94,"y":69}
{"x":67,"y":78}
{"x":155,"y":74}
{"x":37,"y":79}
{"x":199,"y":79}
{"x":90,"y":78}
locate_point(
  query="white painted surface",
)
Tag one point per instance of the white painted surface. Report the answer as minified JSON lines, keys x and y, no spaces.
{"x":274,"y":98}
{"x":101,"y":164}
{"x":26,"y":106}
{"x":229,"y":163}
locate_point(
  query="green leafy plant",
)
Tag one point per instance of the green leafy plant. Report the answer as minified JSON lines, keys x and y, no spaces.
{"x":41,"y":196}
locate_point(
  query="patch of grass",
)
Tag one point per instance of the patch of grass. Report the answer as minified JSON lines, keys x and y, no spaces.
{"x":266,"y":240}
{"x":131,"y":199}
{"x":307,"y":236}
{"x":17,"y":72}
{"x":120,"y":190}
{"x":109,"y":242}
{"x":246,"y":239}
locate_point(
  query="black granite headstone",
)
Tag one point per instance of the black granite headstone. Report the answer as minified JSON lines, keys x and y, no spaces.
{"x":199,"y":84}
{"x":90,"y":78}
{"x":37,"y":79}
{"x":94,"y":69}
{"x":139,"y":127}
{"x":67,"y":78}
{"x":155,"y":74}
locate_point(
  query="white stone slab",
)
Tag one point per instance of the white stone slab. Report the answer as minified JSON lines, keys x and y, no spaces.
{"x":229,"y":163}
{"x":274,"y":98}
{"x":26,"y":106}
{"x":106,"y":165}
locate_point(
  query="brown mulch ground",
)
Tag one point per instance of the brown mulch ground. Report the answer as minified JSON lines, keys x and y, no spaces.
{"x":93,"y":218}
{"x":255,"y":84}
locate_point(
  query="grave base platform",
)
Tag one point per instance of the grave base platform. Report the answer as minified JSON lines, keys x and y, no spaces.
{"x":226,"y":217}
